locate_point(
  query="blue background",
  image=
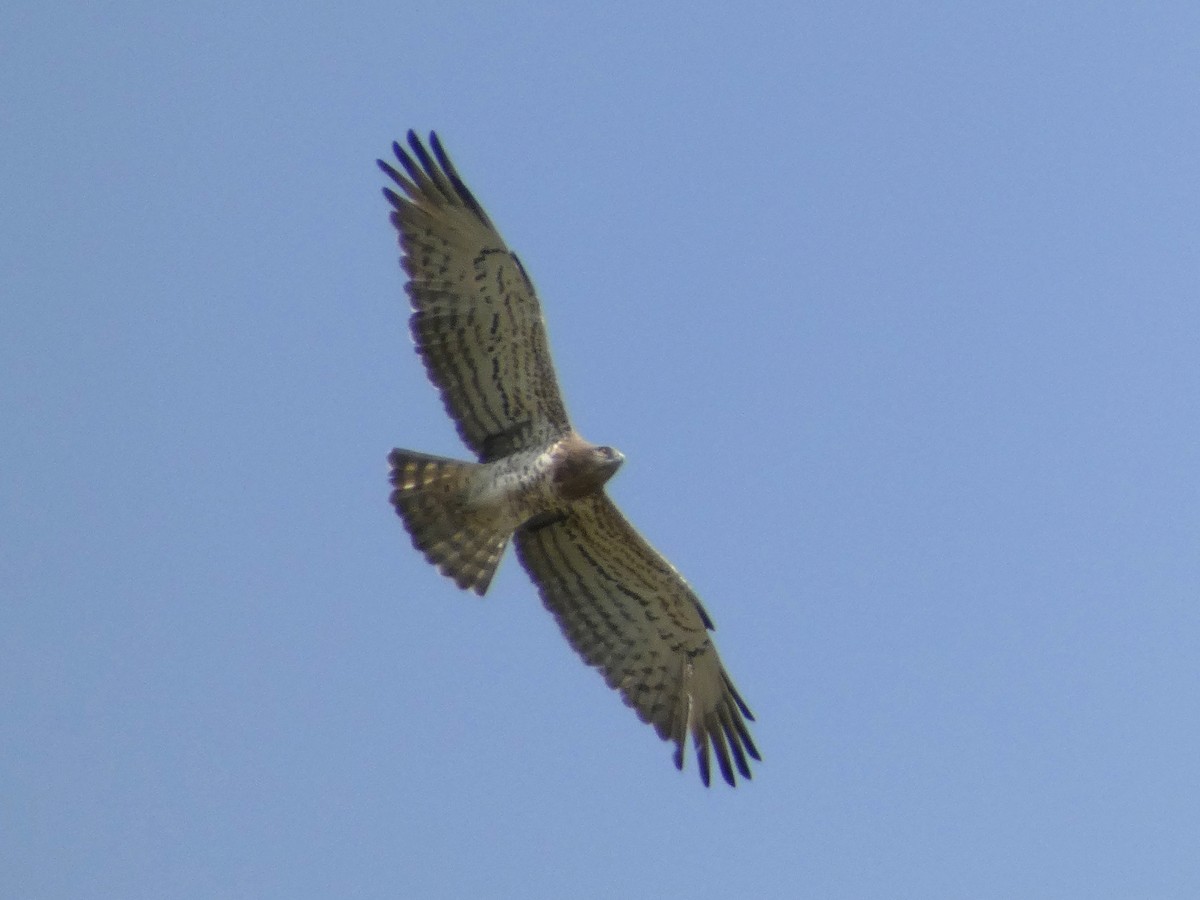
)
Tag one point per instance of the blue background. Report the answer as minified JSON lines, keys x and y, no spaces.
{"x":891,"y":307}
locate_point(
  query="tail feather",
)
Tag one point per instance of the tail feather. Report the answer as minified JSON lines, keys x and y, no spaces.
{"x":431,"y":494}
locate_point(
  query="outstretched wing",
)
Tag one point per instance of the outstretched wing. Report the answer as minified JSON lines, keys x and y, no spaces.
{"x":477,"y":322}
{"x":629,"y":613}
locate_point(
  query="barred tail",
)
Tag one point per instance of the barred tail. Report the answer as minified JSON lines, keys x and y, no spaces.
{"x":431,"y":495}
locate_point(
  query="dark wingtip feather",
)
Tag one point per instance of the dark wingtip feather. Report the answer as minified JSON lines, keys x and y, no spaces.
{"x":410,"y":165}
{"x":460,"y":187}
{"x":432,"y":176}
{"x":393,"y":198}
{"x":748,"y":743}
{"x":717,"y":739}
{"x":421,"y":153}
{"x":733,"y":738}
{"x":390,"y":171}
{"x":702,"y":757}
{"x":737,"y":698}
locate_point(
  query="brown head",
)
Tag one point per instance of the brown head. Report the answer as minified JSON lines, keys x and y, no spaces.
{"x":583,"y":468}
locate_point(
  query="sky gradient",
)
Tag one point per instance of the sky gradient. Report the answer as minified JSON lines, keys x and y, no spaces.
{"x":892,"y":308}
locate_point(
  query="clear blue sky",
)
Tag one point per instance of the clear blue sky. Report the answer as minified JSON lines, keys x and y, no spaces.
{"x":893,"y":309}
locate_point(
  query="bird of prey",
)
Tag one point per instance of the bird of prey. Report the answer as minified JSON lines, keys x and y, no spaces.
{"x":478,"y":327}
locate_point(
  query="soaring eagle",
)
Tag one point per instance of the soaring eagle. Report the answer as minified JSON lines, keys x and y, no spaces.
{"x":478,"y":327}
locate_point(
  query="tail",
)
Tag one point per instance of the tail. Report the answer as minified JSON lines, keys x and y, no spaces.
{"x":431,"y":497}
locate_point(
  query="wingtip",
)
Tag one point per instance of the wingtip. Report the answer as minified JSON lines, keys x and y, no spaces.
{"x":414,"y":142}
{"x":389,"y":170}
{"x":703,"y":759}
{"x":752,"y":750}
{"x":436,"y":143}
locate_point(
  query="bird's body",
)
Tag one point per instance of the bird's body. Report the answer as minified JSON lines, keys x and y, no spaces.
{"x":452,"y":508}
{"x":478,"y":327}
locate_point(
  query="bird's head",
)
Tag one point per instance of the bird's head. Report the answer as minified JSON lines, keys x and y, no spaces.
{"x":584,"y":468}
{"x":607,"y":460}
